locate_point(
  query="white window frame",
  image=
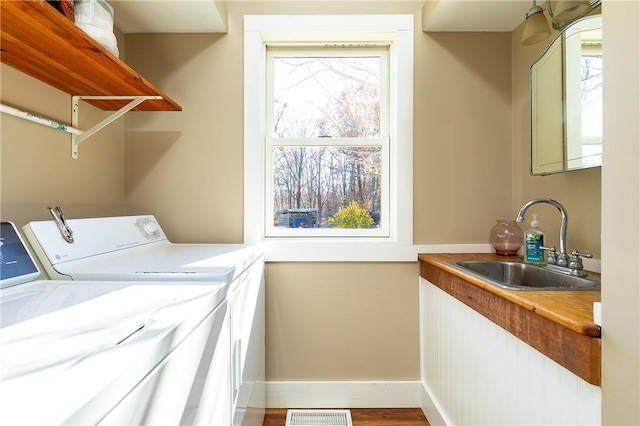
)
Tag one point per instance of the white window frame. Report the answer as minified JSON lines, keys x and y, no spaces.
{"x":393,"y":30}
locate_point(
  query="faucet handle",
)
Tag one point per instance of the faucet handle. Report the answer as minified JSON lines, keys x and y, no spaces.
{"x":575,"y":263}
{"x":578,"y":254}
{"x":552,"y":256}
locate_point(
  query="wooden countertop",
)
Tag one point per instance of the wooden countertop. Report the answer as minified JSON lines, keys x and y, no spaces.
{"x":557,"y":323}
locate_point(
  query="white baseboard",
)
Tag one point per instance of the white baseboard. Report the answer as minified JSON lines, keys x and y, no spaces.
{"x":329,"y":394}
{"x":430,"y":408}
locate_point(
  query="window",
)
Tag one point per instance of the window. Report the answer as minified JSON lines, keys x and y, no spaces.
{"x":328,"y":136}
{"x":327,"y":124}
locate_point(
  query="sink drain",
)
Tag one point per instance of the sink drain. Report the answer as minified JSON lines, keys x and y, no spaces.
{"x":318,"y":418}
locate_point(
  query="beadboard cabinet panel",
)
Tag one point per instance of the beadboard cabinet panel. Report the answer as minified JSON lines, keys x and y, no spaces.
{"x":475,"y":372}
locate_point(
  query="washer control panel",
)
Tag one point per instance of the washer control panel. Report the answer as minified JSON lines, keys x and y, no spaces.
{"x":94,"y":236}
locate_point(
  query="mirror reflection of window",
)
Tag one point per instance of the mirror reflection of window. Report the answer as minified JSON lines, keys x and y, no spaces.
{"x":592,"y":98}
{"x":583,"y":96}
{"x":566,"y":100}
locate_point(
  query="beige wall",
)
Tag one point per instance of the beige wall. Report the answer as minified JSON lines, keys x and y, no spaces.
{"x":620,"y":215}
{"x":186,"y":167}
{"x":342,"y":321}
{"x":578,"y":191}
{"x":462,"y":181}
{"x":462,"y":136}
{"x":460,"y":149}
{"x":37,"y":168}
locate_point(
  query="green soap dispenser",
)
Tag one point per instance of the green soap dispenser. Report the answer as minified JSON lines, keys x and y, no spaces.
{"x":533,"y":242}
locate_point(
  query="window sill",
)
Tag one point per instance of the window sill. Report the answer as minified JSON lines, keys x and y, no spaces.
{"x":357,"y":250}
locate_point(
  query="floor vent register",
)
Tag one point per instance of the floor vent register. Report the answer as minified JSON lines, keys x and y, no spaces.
{"x":318,"y":418}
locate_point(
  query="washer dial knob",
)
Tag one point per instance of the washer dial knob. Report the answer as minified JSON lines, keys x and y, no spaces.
{"x":148,"y":227}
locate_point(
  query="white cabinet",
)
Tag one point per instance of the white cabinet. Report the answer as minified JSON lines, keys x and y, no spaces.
{"x":246,"y":301}
{"x":233,"y":392}
{"x":475,"y":372}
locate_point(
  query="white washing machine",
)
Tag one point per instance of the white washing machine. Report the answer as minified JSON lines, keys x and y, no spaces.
{"x":136,"y":248}
{"x":101,"y":352}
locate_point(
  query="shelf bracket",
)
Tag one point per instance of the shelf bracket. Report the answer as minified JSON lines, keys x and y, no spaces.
{"x":75,"y":107}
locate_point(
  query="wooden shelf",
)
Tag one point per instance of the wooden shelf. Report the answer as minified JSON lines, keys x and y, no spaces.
{"x":41,"y":42}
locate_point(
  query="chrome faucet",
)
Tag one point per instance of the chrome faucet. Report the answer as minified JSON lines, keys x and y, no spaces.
{"x":563,"y":258}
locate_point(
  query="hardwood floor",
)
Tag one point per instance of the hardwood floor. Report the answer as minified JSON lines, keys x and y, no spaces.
{"x":363,"y":416}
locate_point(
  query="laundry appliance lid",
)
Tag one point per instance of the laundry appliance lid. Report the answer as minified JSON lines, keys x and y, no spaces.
{"x":120,"y":248}
{"x":75,"y":364}
{"x":166,"y":261}
{"x":30,"y":300}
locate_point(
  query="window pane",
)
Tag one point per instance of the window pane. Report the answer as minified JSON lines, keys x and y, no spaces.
{"x":326,"y":96}
{"x":591,"y":96}
{"x":326,"y":187}
{"x":592,"y":115}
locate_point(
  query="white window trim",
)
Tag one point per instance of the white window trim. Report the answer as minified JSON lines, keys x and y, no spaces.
{"x":262,"y":30}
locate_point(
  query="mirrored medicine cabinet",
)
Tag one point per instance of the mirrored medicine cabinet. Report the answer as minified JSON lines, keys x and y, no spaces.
{"x":566,"y":100}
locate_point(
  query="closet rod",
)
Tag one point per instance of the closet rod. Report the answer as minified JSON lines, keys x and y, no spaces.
{"x":40,"y":120}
